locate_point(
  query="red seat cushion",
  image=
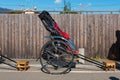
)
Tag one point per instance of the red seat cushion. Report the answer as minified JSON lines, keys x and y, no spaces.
{"x":63,"y":34}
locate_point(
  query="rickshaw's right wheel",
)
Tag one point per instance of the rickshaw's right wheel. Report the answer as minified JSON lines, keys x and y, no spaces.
{"x":56,"y":57}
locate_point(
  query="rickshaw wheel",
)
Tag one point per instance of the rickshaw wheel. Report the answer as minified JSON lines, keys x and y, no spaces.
{"x":56,"y":57}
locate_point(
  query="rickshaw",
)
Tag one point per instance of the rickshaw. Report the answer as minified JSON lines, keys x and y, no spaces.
{"x":57,"y":55}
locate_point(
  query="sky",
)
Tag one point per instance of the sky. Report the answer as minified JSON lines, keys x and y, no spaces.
{"x":58,"y":4}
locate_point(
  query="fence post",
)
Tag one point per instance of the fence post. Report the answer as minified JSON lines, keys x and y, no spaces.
{"x":81,"y":51}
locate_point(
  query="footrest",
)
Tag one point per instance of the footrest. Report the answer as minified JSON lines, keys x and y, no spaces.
{"x":109,"y":65}
{"x":22,"y":65}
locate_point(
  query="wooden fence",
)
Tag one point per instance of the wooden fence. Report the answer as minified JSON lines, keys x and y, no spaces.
{"x":22,"y":36}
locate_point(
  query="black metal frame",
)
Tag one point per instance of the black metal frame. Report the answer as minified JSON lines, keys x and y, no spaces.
{"x":4,"y":58}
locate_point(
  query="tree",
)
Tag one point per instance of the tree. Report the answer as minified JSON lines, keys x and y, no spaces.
{"x":67,"y":8}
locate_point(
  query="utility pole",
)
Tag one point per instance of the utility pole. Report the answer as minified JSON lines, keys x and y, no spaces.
{"x":80,"y":7}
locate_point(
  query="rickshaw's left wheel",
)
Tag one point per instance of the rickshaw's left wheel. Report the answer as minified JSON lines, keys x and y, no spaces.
{"x":56,"y":57}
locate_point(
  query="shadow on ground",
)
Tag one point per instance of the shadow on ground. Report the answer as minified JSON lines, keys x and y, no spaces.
{"x":6,"y":68}
{"x":113,"y":78}
{"x":118,"y":65}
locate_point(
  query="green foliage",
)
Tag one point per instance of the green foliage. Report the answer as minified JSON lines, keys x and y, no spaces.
{"x":15,"y":12}
{"x":69,"y":12}
{"x":67,"y":8}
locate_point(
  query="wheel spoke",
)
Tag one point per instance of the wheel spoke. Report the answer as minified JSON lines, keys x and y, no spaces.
{"x":53,"y":44}
{"x":49,"y":52}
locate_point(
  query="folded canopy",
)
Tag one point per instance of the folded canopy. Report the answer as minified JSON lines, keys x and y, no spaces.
{"x":51,"y":25}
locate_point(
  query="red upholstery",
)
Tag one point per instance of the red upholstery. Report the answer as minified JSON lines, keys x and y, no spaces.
{"x":63,"y":34}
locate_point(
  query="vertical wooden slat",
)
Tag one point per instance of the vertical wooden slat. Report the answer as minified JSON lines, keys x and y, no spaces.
{"x":38,"y":36}
{"x":103,"y":35}
{"x":70,"y":33}
{"x":115,"y":27}
{"x":92,"y":35}
{"x":84,"y":32}
{"x":1,"y":33}
{"x":5,"y":29}
{"x":100,"y":36}
{"x":81,"y":27}
{"x":27,"y":35}
{"x":23,"y":43}
{"x":41,"y":34}
{"x":10,"y":35}
{"x":16,"y":31}
{"x":96,"y":35}
{"x":35,"y":36}
{"x":107,"y":34}
{"x":89,"y":35}
{"x":19,"y":36}
{"x":119,"y":22}
{"x":78,"y":32}
{"x":31,"y":36}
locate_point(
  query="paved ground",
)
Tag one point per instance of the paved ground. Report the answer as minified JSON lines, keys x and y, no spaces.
{"x":35,"y":66}
{"x":86,"y":71}
{"x":71,"y":76}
